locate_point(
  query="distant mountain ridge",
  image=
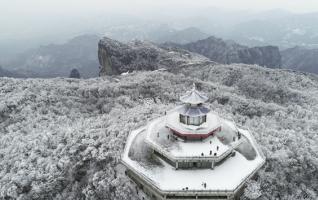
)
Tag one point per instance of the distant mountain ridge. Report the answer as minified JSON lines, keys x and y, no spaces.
{"x":82,"y":53}
{"x":59,"y":59}
{"x":157,"y":33}
{"x":300,"y":59}
{"x":272,"y":27}
{"x":7,"y":73}
{"x":116,"y":57}
{"x":228,"y":52}
{"x":183,"y":36}
{"x":284,"y":30}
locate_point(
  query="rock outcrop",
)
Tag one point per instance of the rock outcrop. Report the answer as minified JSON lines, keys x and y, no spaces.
{"x":300,"y":59}
{"x":117,"y":58}
{"x":228,"y":52}
{"x":75,"y":74}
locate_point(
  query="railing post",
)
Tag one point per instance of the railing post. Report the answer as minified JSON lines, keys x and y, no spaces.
{"x":212,"y":164}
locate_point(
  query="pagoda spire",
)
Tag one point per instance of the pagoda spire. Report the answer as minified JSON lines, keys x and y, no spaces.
{"x":194,"y":86}
{"x":194,"y":97}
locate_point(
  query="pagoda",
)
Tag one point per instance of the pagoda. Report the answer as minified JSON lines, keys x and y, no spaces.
{"x":190,"y":120}
{"x":191,"y":153}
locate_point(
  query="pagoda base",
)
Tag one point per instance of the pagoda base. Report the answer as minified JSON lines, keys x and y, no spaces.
{"x":152,"y":193}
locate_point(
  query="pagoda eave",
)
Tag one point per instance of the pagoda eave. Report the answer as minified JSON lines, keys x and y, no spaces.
{"x":194,"y":136}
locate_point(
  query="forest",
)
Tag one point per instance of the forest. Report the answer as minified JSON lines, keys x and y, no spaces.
{"x":62,"y":138}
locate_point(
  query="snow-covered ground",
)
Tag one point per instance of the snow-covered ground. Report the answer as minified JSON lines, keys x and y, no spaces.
{"x":62,"y":138}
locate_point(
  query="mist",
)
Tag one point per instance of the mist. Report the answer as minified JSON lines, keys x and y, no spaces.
{"x":37,"y":19}
{"x":32,"y":23}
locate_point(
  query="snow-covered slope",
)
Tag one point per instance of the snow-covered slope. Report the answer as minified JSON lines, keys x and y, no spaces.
{"x":62,"y":138}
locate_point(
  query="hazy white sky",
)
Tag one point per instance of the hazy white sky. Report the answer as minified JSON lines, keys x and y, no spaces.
{"x":56,"y":20}
{"x":63,"y":6}
{"x":26,"y":18}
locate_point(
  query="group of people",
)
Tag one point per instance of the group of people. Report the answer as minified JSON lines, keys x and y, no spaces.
{"x":215,"y":154}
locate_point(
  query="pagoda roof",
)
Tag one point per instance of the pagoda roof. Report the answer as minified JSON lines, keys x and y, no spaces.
{"x":212,"y":123}
{"x":194,"y":97}
{"x":193,"y":111}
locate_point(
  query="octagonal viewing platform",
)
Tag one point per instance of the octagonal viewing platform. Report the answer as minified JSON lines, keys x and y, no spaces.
{"x":191,"y":153}
{"x":164,"y":182}
{"x":205,"y":153}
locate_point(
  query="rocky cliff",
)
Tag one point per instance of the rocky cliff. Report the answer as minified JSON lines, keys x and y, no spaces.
{"x":117,"y":58}
{"x":227,"y":52}
{"x":300,"y":59}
